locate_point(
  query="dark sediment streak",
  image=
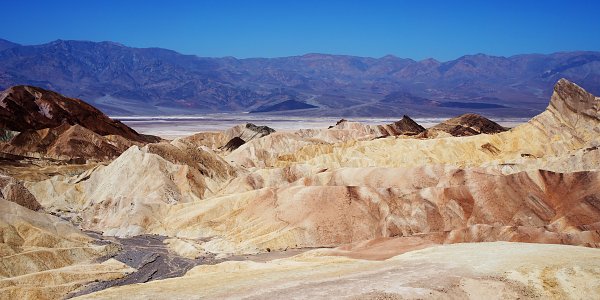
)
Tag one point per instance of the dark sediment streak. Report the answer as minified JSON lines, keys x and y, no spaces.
{"x":149,"y":255}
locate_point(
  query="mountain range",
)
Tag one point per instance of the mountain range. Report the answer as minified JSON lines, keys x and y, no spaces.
{"x":125,"y":81}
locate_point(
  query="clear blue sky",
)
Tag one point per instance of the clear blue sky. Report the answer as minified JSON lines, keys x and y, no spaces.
{"x":415,"y":29}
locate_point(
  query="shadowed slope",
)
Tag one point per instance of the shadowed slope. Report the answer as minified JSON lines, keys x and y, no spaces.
{"x":465,"y":125}
{"x":44,"y":124}
{"x":32,"y":108}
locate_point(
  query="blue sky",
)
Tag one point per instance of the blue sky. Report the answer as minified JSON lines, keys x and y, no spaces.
{"x":414,"y":29}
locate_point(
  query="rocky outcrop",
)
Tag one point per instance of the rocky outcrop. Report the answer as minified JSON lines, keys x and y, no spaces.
{"x":66,"y":142}
{"x":234,"y":143}
{"x":44,"y":124}
{"x":405,"y":126}
{"x":6,"y":135}
{"x":45,"y":257}
{"x":32,"y":108}
{"x":549,"y":135}
{"x":14,"y":191}
{"x":465,"y":125}
{"x":131,"y":194}
{"x":571,"y":103}
{"x":252,"y":131}
{"x":266,"y":151}
{"x":242,"y":134}
{"x":232,"y":137}
{"x":360,"y":195}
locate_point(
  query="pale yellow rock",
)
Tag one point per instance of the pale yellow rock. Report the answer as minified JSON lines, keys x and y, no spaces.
{"x":368,"y":197}
{"x":130,"y":195}
{"x":185,"y":247}
{"x":216,"y":140}
{"x":56,"y":283}
{"x":264,"y":151}
{"x":34,"y":241}
{"x":44,"y":257}
{"x":466,"y":271}
{"x":561,"y":129}
{"x":327,"y":194}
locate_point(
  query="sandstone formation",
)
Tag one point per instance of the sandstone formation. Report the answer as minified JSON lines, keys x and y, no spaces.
{"x":60,"y":282}
{"x":199,"y":204}
{"x":44,"y":257}
{"x":262,"y":152}
{"x":565,"y":127}
{"x":347,"y":130}
{"x":452,"y":206}
{"x":133,"y":192}
{"x":378,"y":193}
{"x":229,"y":139}
{"x":13,"y":190}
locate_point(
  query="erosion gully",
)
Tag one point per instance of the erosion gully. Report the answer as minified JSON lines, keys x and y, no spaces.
{"x":153,"y":261}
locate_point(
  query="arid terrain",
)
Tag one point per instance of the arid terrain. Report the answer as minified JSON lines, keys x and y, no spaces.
{"x":466,"y":208}
{"x":124,"y":80}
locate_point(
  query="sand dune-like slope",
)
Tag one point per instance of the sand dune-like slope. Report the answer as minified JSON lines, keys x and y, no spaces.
{"x":386,"y":206}
{"x":463,"y":206}
{"x":44,"y":257}
{"x":463,"y":271}
{"x":131,"y":194}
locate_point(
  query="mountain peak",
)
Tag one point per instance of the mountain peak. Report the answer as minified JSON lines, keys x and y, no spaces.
{"x":430,"y":61}
{"x":388,"y":57}
{"x":571,"y":101}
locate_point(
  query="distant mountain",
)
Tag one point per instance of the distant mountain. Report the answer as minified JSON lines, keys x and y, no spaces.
{"x":284,"y":106}
{"x":4,"y":44}
{"x":133,"y":81}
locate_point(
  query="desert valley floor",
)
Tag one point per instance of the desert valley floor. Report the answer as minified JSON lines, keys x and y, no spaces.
{"x":463,"y":209}
{"x":172,"y":127}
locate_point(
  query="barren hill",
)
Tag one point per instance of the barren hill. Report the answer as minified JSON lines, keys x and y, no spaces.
{"x":45,"y":124}
{"x":469,"y":211}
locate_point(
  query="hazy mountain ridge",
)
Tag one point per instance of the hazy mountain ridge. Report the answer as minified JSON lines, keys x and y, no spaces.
{"x":146,"y":81}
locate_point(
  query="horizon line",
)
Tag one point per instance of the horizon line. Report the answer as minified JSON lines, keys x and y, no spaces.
{"x":299,"y":55}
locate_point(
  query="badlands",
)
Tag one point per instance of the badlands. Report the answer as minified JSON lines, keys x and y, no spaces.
{"x":466,"y":209}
